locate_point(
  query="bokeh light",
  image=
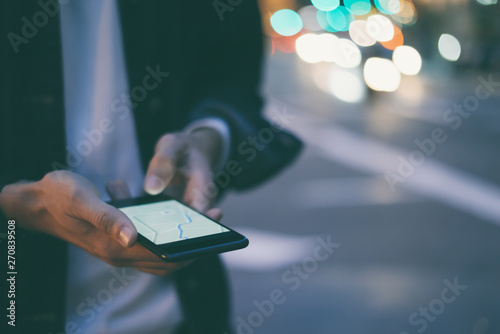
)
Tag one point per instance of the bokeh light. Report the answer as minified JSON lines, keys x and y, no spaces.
{"x":449,"y":47}
{"x":380,"y":28}
{"x":359,"y":34}
{"x":309,"y":48}
{"x":347,"y":54}
{"x":397,"y":40}
{"x":358,"y":7}
{"x":407,"y":60}
{"x":345,"y":84}
{"x":323,"y":22}
{"x":308,"y":14}
{"x":487,"y":2}
{"x":326,"y":5}
{"x":407,"y":14}
{"x":381,"y":74}
{"x":412,"y":89}
{"x":339,"y":18}
{"x":327,"y":47}
{"x":286,"y":22}
{"x":328,"y":44}
{"x":388,"y":6}
{"x":311,"y":32}
{"x":285,"y":44}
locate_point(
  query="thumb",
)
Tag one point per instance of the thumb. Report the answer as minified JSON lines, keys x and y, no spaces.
{"x":111,"y":221}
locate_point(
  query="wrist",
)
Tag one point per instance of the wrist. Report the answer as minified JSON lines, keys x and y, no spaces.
{"x":19,"y":200}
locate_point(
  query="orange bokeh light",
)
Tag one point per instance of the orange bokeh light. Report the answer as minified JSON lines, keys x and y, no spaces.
{"x":285,"y":44}
{"x":397,"y":40}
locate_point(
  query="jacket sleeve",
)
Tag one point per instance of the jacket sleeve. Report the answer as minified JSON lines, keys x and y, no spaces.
{"x":228,"y":73}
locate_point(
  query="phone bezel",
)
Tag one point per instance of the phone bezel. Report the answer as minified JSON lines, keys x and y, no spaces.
{"x":190,"y":248}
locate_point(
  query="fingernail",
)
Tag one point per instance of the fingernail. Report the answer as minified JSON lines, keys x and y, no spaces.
{"x":154,"y":185}
{"x":125,"y":235}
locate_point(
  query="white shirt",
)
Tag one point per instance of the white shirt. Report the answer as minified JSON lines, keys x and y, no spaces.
{"x":101,"y":298}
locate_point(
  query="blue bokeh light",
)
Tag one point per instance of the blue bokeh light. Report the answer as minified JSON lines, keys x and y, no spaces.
{"x":358,"y":7}
{"x":323,"y":22}
{"x":339,"y":19}
{"x":387,"y":7}
{"x":325,"y":5}
{"x":286,"y":22}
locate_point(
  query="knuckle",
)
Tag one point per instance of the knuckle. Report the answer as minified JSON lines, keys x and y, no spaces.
{"x":75,"y":197}
{"x":55,"y":176}
{"x":74,"y":192}
{"x":167,"y":139}
{"x":104,"y":221}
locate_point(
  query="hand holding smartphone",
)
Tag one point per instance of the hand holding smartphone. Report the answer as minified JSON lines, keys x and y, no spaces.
{"x":174,"y":231}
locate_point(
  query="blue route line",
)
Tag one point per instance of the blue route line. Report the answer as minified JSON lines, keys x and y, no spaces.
{"x":180,"y":229}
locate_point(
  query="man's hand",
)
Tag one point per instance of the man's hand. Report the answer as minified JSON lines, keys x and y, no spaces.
{"x":184,"y":163}
{"x":68,"y":206}
{"x":119,"y":190}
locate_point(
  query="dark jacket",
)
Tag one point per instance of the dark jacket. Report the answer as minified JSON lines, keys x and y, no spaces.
{"x":213,"y":57}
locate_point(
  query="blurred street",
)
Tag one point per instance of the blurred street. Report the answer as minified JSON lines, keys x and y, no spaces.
{"x":420,"y":254}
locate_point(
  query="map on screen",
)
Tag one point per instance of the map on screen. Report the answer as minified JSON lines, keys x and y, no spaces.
{"x":170,"y":221}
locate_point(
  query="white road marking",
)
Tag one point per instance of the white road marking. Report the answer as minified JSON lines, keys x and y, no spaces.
{"x":433,"y":179}
{"x":345,"y":192}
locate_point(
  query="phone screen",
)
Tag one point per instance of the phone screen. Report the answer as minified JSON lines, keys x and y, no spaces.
{"x":170,"y":221}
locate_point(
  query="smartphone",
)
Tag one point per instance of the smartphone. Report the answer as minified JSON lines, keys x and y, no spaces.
{"x":174,"y":231}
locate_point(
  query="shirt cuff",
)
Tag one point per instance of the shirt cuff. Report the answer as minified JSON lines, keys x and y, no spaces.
{"x":222,"y":128}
